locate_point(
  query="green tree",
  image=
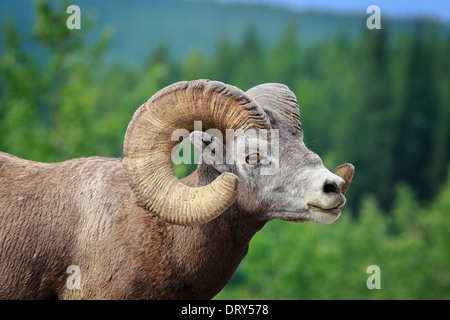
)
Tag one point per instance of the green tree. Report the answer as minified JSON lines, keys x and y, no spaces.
{"x":49,"y":108}
{"x":414,"y":130}
{"x":195,"y":66}
{"x":225,"y":60}
{"x":368,"y":141}
{"x":249,"y":71}
{"x":285,"y":60}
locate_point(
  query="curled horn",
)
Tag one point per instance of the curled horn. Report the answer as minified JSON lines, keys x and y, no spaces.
{"x":278,"y":98}
{"x":147,"y":148}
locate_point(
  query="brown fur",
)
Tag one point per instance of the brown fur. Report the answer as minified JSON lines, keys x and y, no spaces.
{"x":82,"y":212}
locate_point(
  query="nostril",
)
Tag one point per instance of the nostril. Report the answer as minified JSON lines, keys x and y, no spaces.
{"x":330,"y":187}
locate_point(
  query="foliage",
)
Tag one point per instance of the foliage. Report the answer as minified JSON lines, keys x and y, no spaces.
{"x":377,"y":100}
{"x":47,"y":106}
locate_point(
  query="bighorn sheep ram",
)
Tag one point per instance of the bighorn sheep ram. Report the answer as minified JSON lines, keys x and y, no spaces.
{"x":137,"y":232}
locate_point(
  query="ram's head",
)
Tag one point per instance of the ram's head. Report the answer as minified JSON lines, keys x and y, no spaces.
{"x":253,"y":154}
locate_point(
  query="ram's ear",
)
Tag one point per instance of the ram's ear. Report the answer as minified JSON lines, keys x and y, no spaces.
{"x":212,"y":148}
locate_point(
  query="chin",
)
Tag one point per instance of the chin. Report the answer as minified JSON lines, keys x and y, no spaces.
{"x":324,"y":216}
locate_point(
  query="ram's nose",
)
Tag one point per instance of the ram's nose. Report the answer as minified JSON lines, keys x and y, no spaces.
{"x":332,"y":191}
{"x":327,"y":191}
{"x":333,"y":186}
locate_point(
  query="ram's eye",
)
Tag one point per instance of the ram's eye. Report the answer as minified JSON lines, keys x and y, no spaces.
{"x":253,"y":159}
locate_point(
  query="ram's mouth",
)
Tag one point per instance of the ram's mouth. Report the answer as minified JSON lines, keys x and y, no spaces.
{"x":318,"y":214}
{"x":334,"y":210}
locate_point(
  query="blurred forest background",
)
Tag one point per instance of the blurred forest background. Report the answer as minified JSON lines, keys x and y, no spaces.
{"x":379,"y":99}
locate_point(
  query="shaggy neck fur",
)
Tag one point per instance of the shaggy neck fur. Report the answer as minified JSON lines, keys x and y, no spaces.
{"x":208,"y":255}
{"x":122,"y":250}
